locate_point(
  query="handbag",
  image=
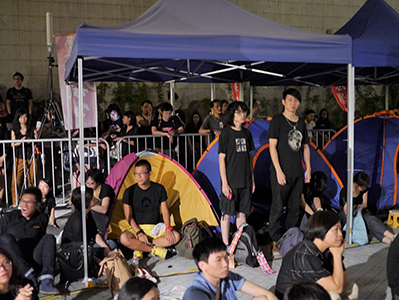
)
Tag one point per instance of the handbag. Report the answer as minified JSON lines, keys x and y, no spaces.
{"x":71,"y":260}
{"x":117,"y":269}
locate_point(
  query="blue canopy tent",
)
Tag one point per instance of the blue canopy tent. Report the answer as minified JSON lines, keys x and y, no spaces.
{"x":199,"y":41}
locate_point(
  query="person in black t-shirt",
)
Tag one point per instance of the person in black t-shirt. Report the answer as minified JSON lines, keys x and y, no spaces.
{"x":23,"y":233}
{"x":141,"y":205}
{"x":168,"y":127}
{"x":236,"y":173}
{"x":19,"y":97}
{"x":288,"y":138}
{"x":48,"y":202}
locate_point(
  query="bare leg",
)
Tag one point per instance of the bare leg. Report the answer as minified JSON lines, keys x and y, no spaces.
{"x":388,"y":236}
{"x":241,"y":218}
{"x":129,"y":240}
{"x":225,"y":228}
{"x":163,"y":243}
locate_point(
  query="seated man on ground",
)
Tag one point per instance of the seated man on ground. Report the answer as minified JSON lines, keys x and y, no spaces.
{"x":141,"y":204}
{"x":23,"y":233}
{"x":318,"y":258}
{"x":214,"y":280}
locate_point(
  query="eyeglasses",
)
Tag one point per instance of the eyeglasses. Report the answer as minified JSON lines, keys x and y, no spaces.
{"x":140,"y":174}
{"x":240,"y":112}
{"x":27,"y":202}
{"x":6,"y":264}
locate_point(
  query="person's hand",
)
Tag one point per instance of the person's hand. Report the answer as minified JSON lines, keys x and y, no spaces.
{"x":281,"y":178}
{"x":217,"y":132}
{"x":55,"y":225}
{"x":170,"y":237}
{"x":25,"y":293}
{"x":226,"y":190}
{"x":307,"y":176}
{"x":23,"y":138}
{"x":172,"y":132}
{"x":1,"y":161}
{"x":170,"y":137}
{"x":337,"y":251}
{"x":360,"y":207}
{"x":253,"y":185}
{"x":143,"y":238}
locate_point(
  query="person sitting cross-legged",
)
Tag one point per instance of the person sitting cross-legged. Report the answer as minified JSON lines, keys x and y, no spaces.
{"x":23,"y":233}
{"x":141,"y":204}
{"x":214,"y":280}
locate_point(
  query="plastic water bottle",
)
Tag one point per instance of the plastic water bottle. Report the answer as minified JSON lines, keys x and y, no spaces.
{"x":135,"y":261}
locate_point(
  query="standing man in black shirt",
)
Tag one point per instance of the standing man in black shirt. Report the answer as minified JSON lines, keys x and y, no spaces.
{"x":19,"y":96}
{"x":141,"y":205}
{"x":288,"y":138}
{"x":23,"y":233}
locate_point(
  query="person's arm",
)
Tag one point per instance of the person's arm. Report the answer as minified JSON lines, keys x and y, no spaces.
{"x":305,"y":206}
{"x":336,"y":281}
{"x":127,"y":209}
{"x":317,"y":203}
{"x":14,"y":138}
{"x":180,"y":130}
{"x":364,"y":203}
{"x":52,"y":218}
{"x":169,"y":236}
{"x":226,"y":190}
{"x":306,"y":156}
{"x":252,"y":172}
{"x":103,"y":207}
{"x":257,"y":292}
{"x":8,"y":104}
{"x":276,"y":163}
{"x":202,"y":130}
{"x":30,"y":105}
{"x":100,"y":241}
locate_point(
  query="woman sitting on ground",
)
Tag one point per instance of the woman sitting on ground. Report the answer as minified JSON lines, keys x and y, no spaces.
{"x":318,"y":258}
{"x":12,"y":284}
{"x":360,"y":199}
{"x":48,"y":202}
{"x":73,"y":231}
{"x":105,"y":195}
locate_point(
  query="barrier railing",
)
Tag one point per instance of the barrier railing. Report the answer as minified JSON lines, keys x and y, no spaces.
{"x":321,"y":137}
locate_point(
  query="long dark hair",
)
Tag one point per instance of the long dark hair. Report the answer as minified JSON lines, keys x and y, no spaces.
{"x":200,"y":119}
{"x":16,"y":280}
{"x":16,"y":126}
{"x":231,"y":109}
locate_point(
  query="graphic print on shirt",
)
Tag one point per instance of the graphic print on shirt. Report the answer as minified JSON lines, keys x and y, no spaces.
{"x":146,"y":202}
{"x":295,"y":139}
{"x":241,"y":145}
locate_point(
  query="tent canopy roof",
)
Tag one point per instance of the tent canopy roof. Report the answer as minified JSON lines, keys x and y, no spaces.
{"x":375,"y":43}
{"x":201,"y":41}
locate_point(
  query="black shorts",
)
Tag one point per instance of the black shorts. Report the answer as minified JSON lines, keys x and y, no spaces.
{"x":240,"y":201}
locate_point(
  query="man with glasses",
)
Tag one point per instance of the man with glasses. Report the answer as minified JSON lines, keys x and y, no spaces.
{"x":19,"y":96}
{"x":141,"y":205}
{"x":23,"y":233}
{"x":236,"y":172}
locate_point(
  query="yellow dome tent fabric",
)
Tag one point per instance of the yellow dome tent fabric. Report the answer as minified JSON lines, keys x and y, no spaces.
{"x":186,"y":199}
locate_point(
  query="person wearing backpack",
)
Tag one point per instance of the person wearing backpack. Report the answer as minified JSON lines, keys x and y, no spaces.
{"x":236,"y":172}
{"x":318,"y":258}
{"x":214,"y":280}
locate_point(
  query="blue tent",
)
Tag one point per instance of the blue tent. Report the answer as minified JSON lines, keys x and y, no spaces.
{"x":375,"y":44}
{"x":376,"y":147}
{"x":201,"y":41}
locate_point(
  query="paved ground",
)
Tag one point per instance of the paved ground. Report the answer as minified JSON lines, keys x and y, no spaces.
{"x":365,"y":265}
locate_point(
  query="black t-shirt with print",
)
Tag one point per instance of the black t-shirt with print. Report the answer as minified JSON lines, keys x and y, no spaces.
{"x":237,"y":146}
{"x":289,"y":144}
{"x":145,"y":203}
{"x":172,"y":124}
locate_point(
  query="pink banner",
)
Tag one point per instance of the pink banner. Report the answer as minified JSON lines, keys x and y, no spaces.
{"x":69,"y":93}
{"x":235,"y":90}
{"x":341,"y":95}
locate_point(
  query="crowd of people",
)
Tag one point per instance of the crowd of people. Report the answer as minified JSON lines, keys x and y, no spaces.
{"x":313,"y":268}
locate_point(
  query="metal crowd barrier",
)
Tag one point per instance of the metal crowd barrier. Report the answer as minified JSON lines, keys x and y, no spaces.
{"x":321,"y":137}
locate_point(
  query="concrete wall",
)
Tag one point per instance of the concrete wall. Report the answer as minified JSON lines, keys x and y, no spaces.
{"x":23,"y":34}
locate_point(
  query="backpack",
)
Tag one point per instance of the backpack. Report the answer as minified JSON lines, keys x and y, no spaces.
{"x":192,"y":233}
{"x":117,"y":269}
{"x":247,"y":248}
{"x":289,"y":239}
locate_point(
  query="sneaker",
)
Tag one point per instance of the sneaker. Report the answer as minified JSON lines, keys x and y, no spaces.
{"x":161,"y":252}
{"x":275,"y":250}
{"x":47,"y":287}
